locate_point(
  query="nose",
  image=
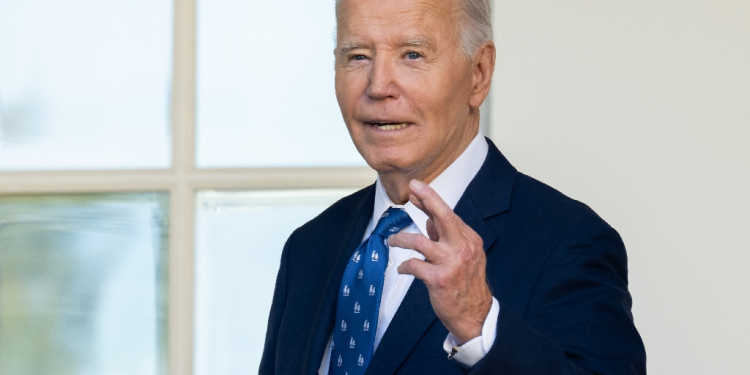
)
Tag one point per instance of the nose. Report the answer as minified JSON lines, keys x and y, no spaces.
{"x":382,"y":83}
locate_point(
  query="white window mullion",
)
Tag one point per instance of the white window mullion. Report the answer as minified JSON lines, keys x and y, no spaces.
{"x":182,"y":194}
{"x":65,"y":182}
{"x":181,"y":283}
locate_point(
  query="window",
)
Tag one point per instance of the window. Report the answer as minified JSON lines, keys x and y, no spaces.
{"x":154,"y":156}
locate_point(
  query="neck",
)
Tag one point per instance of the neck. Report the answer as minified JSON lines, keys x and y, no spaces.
{"x":396,"y":183}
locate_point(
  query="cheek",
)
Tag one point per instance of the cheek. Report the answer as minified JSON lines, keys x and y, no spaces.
{"x":341,"y":94}
{"x":434,"y":107}
{"x":433,"y":91}
{"x":450,"y":100}
{"x":349,"y":85}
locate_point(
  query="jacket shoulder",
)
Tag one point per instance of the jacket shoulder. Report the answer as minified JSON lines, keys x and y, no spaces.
{"x":541,"y":202}
{"x":336,"y":215}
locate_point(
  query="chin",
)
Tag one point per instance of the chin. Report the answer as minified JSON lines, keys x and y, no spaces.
{"x":378,"y":159}
{"x":389,"y":162}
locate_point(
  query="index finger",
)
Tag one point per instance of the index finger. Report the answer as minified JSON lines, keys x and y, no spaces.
{"x":447,"y":223}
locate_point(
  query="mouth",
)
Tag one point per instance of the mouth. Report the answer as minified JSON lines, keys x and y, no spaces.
{"x":385,"y":125}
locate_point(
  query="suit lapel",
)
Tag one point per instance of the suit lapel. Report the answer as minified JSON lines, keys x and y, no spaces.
{"x":467,"y":210}
{"x":413,"y":318}
{"x":487,"y":195}
{"x":344,"y":244}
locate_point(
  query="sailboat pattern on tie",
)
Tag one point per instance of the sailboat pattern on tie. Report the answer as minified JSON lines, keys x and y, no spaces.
{"x":359,"y":302}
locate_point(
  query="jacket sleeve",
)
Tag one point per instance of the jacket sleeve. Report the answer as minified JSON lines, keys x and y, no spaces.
{"x":268,"y":361}
{"x":578,"y":318}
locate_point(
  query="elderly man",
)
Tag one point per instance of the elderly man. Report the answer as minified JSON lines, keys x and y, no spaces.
{"x":452,"y":261}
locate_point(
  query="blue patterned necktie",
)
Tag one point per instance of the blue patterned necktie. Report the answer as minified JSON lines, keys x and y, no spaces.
{"x":359,"y":298}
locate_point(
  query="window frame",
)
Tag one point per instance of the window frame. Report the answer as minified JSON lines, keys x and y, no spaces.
{"x":182,"y":181}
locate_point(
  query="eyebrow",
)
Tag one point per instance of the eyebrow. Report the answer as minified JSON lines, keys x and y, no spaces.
{"x":419,"y":42}
{"x":346,"y":47}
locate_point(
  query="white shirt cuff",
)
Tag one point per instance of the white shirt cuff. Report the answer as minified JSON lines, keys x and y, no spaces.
{"x":475,"y":349}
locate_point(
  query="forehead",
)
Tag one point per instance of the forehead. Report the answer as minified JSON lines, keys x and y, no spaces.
{"x":388,"y":19}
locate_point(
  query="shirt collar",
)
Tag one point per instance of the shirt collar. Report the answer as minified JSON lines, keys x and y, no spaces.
{"x":450,"y":185}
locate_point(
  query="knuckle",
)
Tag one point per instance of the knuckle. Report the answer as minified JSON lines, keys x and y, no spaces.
{"x":476,"y":239}
{"x":420,"y":241}
{"x":467,"y":249}
{"x":448,"y":216}
{"x":442,"y":281}
{"x":465,"y":252}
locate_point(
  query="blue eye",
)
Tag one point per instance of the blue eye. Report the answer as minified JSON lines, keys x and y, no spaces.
{"x":413,"y":55}
{"x":359,"y":57}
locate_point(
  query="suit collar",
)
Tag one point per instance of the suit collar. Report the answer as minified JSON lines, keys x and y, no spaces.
{"x":492,"y":187}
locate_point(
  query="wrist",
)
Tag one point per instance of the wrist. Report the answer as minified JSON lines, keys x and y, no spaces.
{"x":469,"y":326}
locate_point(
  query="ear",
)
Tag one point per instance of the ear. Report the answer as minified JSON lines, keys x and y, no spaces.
{"x":483,"y":67}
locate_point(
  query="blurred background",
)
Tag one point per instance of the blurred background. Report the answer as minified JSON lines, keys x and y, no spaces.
{"x":155,"y":155}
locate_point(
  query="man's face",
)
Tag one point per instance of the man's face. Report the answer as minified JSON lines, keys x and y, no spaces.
{"x":403,"y":83}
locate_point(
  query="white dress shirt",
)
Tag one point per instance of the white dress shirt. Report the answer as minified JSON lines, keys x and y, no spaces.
{"x":450,"y":185}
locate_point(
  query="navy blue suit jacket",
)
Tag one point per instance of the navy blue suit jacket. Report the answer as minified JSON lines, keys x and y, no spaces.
{"x":557,"y":269}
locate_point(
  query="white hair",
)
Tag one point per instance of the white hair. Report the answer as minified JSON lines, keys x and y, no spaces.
{"x":475,"y":24}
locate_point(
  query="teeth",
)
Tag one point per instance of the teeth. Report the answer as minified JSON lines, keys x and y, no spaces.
{"x":393,"y":127}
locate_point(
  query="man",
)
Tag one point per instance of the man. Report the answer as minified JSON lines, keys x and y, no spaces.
{"x":488,"y":271}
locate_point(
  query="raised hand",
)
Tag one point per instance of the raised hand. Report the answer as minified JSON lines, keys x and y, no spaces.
{"x":454,"y":265}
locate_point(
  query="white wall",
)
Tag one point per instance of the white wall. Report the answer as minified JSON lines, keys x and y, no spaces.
{"x":641,"y":109}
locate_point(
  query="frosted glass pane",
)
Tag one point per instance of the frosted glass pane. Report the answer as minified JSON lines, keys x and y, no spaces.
{"x":265,"y":86}
{"x":83,"y":284}
{"x":85,"y":84}
{"x":240,"y":236}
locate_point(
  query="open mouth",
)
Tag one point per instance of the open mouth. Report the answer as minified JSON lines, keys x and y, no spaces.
{"x":388,"y":125}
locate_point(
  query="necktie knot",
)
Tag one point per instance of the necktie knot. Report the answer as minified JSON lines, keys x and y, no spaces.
{"x":393,"y":221}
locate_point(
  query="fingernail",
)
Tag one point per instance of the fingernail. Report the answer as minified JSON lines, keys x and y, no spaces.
{"x":416,"y":184}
